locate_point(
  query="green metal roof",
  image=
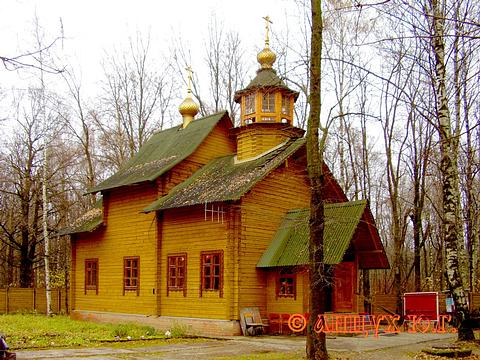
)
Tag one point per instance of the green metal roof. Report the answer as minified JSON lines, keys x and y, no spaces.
{"x":289,"y":246}
{"x":222,"y":179}
{"x":161,"y":152}
{"x":266,"y":78}
{"x":88,"y":222}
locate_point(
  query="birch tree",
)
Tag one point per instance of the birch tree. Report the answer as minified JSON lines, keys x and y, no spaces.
{"x":436,"y":16}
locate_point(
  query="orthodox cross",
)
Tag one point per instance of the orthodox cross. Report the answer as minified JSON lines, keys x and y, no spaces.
{"x":189,"y":77}
{"x":267,"y":28}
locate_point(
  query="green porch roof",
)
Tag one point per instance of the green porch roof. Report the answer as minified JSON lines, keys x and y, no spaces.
{"x":290,"y":243}
{"x":222,"y":179}
{"x":161,"y":152}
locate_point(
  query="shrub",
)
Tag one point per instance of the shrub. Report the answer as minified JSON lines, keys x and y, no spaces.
{"x":178,"y":330}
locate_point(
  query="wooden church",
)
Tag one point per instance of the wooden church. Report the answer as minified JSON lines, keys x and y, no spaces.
{"x":208,"y":219}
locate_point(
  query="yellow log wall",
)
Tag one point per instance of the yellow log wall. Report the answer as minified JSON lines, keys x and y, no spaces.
{"x":262,"y":211}
{"x":285,"y":305}
{"x":128,"y":233}
{"x":185,"y":230}
{"x":217,"y":143}
{"x":253,"y":142}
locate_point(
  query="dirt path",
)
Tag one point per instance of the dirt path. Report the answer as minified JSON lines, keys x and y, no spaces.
{"x":401,"y":346}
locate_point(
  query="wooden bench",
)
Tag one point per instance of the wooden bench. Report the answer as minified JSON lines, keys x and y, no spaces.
{"x":251,"y":321}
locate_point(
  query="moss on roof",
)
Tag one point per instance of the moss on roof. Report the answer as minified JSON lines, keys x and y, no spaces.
{"x":161,"y":152}
{"x":290,"y":244}
{"x":88,"y":222}
{"x":222,"y":179}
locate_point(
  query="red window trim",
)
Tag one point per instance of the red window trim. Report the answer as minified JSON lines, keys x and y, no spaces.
{"x":130,"y":287}
{"x":177,"y":288}
{"x":87,"y":270}
{"x":278,"y":287}
{"x":203,"y":254}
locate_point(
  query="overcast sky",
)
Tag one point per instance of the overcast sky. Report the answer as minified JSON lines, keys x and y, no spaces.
{"x":93,"y":27}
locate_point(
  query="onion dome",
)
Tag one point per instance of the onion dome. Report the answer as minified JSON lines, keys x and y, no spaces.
{"x":188,"y":107}
{"x":266,"y":58}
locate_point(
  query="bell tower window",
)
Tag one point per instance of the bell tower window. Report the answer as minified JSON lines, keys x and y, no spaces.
{"x":249,"y":104}
{"x":268,"y":102}
{"x":285,"y":105}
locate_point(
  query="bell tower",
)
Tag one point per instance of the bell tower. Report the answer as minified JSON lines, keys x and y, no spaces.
{"x":266,"y":108}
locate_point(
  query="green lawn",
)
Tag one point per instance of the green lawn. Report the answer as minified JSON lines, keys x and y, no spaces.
{"x":30,"y":331}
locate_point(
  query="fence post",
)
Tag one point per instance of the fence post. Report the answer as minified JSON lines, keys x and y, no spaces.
{"x":6,"y":300}
{"x":59,"y":297}
{"x":34,"y":299}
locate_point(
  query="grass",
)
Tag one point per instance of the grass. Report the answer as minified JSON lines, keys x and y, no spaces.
{"x":31,"y":331}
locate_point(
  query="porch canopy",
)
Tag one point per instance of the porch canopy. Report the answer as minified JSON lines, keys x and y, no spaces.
{"x":347,"y":223}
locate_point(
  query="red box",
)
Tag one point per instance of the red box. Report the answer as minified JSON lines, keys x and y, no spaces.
{"x":421,"y":303}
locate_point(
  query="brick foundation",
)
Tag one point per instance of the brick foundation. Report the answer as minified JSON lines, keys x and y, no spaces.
{"x":193,"y":326}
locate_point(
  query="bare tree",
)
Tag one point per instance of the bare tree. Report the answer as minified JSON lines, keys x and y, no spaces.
{"x":435,"y":13}
{"x":136,"y":100}
{"x":82,"y":128}
{"x":226,"y":68}
{"x":23,"y":184}
{"x":316,"y":342}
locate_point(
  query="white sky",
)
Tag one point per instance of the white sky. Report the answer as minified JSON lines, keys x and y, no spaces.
{"x":93,"y":27}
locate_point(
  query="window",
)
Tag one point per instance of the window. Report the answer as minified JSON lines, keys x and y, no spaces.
{"x":211,"y":271}
{"x":286,"y":105}
{"x":268,"y":102}
{"x":91,"y":275}
{"x":286,"y":284}
{"x":249,"y":104}
{"x":131,"y":274}
{"x":177,"y":270}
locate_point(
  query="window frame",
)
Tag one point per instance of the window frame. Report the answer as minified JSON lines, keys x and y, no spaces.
{"x":286,"y":105}
{"x":88,"y":271}
{"x":250,"y":104}
{"x":212,"y":276}
{"x":131,"y":288}
{"x":281,"y":291}
{"x":176,"y":257}
{"x":268,"y":102}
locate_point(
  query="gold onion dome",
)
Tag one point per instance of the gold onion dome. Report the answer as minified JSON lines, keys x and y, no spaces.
{"x":266,"y":58}
{"x":188,"y":107}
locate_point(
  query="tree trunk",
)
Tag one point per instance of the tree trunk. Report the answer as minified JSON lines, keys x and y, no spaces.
{"x":449,"y":178}
{"x":26,"y":265}
{"x":316,"y":343}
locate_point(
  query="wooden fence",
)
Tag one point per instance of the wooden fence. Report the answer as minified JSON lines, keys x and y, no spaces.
{"x":31,"y":300}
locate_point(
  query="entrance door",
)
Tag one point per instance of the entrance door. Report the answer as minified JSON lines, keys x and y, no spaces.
{"x":343,"y":286}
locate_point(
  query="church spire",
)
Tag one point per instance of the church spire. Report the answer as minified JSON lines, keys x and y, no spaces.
{"x":266,"y":108}
{"x":188,"y":108}
{"x":266,"y":57}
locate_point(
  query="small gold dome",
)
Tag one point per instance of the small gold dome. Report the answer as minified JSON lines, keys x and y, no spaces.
{"x":266,"y":58}
{"x":188,"y":107}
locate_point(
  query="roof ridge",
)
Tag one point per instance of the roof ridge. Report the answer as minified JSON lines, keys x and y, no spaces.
{"x":162,"y":151}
